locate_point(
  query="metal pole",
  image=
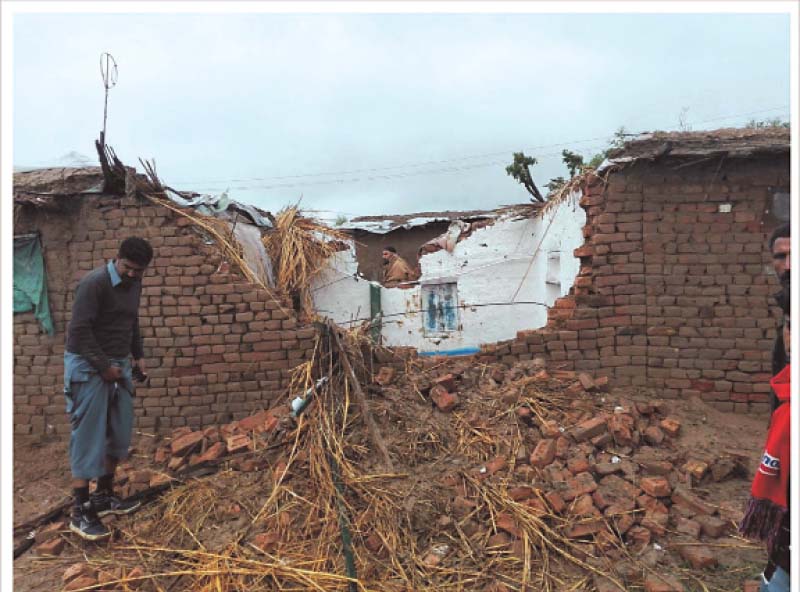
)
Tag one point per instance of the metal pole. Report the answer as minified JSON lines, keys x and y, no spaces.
{"x":109,"y":81}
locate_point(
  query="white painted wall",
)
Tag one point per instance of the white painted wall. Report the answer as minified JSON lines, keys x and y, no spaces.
{"x":500,"y":272}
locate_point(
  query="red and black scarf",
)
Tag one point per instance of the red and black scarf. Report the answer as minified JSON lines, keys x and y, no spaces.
{"x":769,"y":501}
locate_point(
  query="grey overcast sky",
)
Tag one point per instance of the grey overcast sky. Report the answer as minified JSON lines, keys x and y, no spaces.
{"x":369,"y":113}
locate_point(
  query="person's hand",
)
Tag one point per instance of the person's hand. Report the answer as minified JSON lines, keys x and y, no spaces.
{"x":112,"y":374}
{"x":139,"y":371}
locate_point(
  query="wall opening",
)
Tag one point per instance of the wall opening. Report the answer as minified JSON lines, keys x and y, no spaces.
{"x":440,"y":308}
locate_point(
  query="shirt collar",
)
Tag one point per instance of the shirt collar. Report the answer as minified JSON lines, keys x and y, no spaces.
{"x":112,"y":271}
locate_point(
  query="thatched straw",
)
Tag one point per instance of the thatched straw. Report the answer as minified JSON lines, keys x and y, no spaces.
{"x":299,"y":248}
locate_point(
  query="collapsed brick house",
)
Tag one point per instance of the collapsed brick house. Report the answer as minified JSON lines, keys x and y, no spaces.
{"x":217,"y":346}
{"x":673,"y":290}
{"x":675,"y":280}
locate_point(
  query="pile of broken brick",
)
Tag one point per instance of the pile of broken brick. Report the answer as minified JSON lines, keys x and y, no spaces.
{"x":187,"y":448}
{"x":609,"y":472}
{"x":618,"y":475}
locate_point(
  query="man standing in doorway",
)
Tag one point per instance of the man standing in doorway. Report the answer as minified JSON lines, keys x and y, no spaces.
{"x":102,"y":336}
{"x":780,"y":244}
{"x":395,"y":269}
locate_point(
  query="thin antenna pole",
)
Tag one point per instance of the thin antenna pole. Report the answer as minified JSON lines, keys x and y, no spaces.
{"x":108,"y":70}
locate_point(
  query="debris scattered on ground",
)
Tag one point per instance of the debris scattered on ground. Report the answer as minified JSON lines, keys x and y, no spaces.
{"x":503,"y":478}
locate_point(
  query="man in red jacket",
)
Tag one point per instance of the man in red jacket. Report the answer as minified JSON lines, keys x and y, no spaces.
{"x":767,"y":514}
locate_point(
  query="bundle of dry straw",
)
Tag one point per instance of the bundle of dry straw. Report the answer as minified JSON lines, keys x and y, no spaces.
{"x":299,"y":247}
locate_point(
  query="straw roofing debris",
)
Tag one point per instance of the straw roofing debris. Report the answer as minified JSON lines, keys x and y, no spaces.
{"x":299,"y":248}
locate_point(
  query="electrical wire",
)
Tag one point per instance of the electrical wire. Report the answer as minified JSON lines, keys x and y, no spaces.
{"x":562,"y":144}
{"x":425,"y":310}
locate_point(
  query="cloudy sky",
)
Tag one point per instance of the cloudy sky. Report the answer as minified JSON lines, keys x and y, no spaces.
{"x":369,"y":113}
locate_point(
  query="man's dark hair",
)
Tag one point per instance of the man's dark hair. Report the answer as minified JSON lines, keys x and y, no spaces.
{"x":782,"y":231}
{"x":390,"y":249}
{"x":137,"y":250}
{"x":784,"y":298}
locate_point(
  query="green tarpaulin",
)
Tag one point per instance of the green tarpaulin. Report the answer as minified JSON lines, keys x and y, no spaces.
{"x":30,"y":282}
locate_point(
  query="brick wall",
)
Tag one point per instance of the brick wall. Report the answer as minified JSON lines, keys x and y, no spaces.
{"x":217,"y":347}
{"x":673,"y":293}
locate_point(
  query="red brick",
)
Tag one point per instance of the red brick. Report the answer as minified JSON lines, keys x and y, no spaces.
{"x":681,"y":496}
{"x":550,"y":429}
{"x":536,"y":506}
{"x":601,"y":384}
{"x":670,"y":426}
{"x":447,"y":381}
{"x":374,"y":543}
{"x":52,"y":546}
{"x":544,"y":453}
{"x":444,"y":400}
{"x":586,"y":527}
{"x":506,"y":522}
{"x":696,"y":468}
{"x":655,"y":486}
{"x":621,"y":426}
{"x":583,"y":506}
{"x":251,"y":423}
{"x":520,"y":493}
{"x":498,"y":540}
{"x":688,"y":527}
{"x":267,"y":541}
{"x":655,"y":522}
{"x":385,"y":376}
{"x":463,"y":506}
{"x":186,"y":443}
{"x":586,"y":381}
{"x":711,"y":526}
{"x":237,"y":443}
{"x":607,"y":468}
{"x":159,"y":479}
{"x":161,"y":455}
{"x":495,"y":465}
{"x":555,"y":501}
{"x":562,"y":447}
{"x":80,"y":583}
{"x":651,"y":504}
{"x":580,"y":484}
{"x":613,"y":490}
{"x":214,"y":452}
{"x":589,"y":428}
{"x":578,"y":464}
{"x":699,"y":557}
{"x":50,"y":531}
{"x":78,"y":569}
{"x":176,"y":462}
{"x":656,"y":467}
{"x":662,"y":583}
{"x":639,"y":537}
{"x":653,"y":435}
{"x":525,"y":414}
{"x":140,"y":476}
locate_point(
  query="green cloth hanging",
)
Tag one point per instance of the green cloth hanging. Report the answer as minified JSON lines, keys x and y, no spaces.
{"x":30,"y":282}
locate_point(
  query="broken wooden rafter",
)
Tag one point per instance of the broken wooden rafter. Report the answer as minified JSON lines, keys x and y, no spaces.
{"x":361,"y":399}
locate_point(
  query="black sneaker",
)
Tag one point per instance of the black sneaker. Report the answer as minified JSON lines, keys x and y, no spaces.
{"x":108,"y":503}
{"x":86,"y":524}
